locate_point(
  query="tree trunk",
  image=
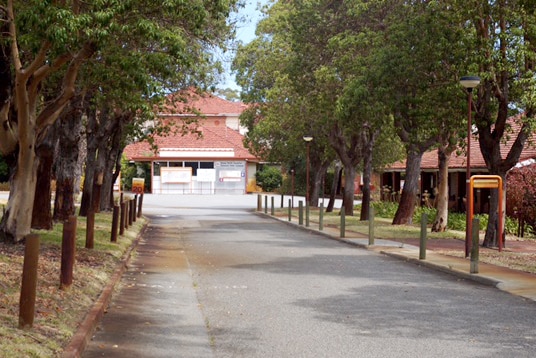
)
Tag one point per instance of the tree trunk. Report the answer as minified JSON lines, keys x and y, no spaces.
{"x":406,"y":208}
{"x":8,"y":132}
{"x":42,"y":209}
{"x":441,"y":221}
{"x":336,"y":177}
{"x":369,"y":140}
{"x":91,"y":157}
{"x":16,"y":222}
{"x":349,"y":190}
{"x":67,"y":163}
{"x":367,"y":174}
{"x":112,"y":160}
{"x":317,"y":176}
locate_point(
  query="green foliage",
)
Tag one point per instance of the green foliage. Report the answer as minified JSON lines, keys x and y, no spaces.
{"x":128,"y":172}
{"x":456,"y":221}
{"x":269,"y":178}
{"x":385,"y":209}
{"x":430,"y":213}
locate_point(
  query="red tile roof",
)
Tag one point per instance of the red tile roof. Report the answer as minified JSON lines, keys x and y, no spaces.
{"x":214,"y":139}
{"x":189,"y":102}
{"x":458,"y":158}
{"x":216,"y":135}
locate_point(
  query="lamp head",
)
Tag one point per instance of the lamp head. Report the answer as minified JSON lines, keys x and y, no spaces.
{"x":470,"y":82}
{"x":307,"y":138}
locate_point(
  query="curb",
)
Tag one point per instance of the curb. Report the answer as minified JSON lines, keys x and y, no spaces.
{"x":461,"y":274}
{"x":87,"y":327}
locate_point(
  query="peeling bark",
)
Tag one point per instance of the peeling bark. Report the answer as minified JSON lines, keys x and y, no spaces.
{"x":67,"y":163}
{"x":441,"y":221}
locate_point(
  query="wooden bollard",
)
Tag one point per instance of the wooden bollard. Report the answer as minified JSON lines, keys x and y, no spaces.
{"x":68,"y":252}
{"x":29,"y":281}
{"x":90,"y":229}
{"x":259,"y":202}
{"x":134,"y":208}
{"x":115,"y":224}
{"x":127,"y":215}
{"x":122,"y":218}
{"x":130,"y":212}
{"x":140,"y":205}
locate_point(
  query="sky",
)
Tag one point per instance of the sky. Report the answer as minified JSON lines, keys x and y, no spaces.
{"x":248,"y":18}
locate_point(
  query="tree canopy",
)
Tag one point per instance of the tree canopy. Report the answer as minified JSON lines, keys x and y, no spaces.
{"x":127,"y":51}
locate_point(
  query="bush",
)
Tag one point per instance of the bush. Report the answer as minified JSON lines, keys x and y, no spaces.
{"x":385,"y":209}
{"x":269,"y":178}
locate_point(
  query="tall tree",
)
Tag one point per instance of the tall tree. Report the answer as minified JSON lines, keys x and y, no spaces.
{"x":57,"y":38}
{"x":504,"y":56}
{"x":421,"y":51}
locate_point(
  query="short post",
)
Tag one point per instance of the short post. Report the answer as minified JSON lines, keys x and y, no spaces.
{"x":289,"y":210}
{"x":122,"y":217}
{"x":422,"y":246}
{"x":371,"y":226}
{"x":282,"y":200}
{"x":307,"y":212}
{"x":343,"y":223}
{"x":140,"y":205}
{"x":130,"y":212}
{"x":300,"y":212}
{"x":115,"y":223}
{"x":259,"y":202}
{"x":90,"y":229}
{"x":266,"y":204}
{"x":68,"y":249}
{"x":321,"y":217}
{"x":127,"y":215}
{"x":475,"y":248}
{"x":134,"y":208}
{"x":272,"y":209}
{"x":29,"y":281}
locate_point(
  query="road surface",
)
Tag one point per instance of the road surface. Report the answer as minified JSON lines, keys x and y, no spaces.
{"x":213,"y":279}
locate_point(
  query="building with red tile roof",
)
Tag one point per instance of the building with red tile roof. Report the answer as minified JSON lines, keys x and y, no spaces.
{"x":393,"y":176}
{"x":211,"y":159}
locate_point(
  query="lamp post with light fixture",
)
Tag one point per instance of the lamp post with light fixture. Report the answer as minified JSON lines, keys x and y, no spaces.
{"x":307,"y":139}
{"x":469,"y":82}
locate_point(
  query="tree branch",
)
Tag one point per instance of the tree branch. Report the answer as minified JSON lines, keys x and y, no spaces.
{"x":51,"y":112}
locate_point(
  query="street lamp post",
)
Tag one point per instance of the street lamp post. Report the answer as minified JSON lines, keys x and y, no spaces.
{"x":307,"y":139}
{"x":469,"y":82}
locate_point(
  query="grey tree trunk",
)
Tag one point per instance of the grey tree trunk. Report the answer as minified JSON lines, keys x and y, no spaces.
{"x":67,"y":163}
{"x":441,"y":220}
{"x":336,"y":178}
{"x":408,"y":200}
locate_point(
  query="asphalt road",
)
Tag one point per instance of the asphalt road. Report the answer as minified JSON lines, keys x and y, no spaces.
{"x":213,"y":279}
